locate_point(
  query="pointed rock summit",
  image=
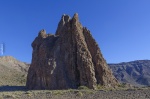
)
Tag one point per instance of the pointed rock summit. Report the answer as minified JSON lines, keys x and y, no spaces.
{"x":68,"y":59}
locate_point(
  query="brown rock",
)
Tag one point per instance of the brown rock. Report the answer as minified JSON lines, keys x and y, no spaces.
{"x":69,"y":59}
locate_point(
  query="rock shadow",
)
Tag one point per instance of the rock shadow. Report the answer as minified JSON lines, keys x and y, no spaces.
{"x":12,"y":88}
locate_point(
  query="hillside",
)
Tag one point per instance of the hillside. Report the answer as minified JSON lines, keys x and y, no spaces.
{"x":135,"y":72}
{"x":12,"y":71}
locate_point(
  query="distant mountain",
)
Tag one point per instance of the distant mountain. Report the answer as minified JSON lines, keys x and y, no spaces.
{"x":135,"y":72}
{"x":12,"y":71}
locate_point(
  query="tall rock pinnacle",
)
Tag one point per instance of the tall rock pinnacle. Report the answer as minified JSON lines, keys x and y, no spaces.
{"x":68,"y":59}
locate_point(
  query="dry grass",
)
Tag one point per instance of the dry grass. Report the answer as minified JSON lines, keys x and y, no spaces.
{"x":143,"y":93}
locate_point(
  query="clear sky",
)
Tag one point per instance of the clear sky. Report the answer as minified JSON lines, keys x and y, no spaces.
{"x":121,"y":27}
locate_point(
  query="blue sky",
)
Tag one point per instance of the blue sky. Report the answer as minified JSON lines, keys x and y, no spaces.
{"x":121,"y":27}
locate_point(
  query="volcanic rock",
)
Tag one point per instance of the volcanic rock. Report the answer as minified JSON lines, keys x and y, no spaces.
{"x":68,"y":59}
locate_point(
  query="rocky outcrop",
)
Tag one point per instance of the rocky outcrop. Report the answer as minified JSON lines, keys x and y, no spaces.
{"x":68,"y":59}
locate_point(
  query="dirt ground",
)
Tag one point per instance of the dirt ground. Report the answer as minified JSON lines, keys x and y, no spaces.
{"x":9,"y":92}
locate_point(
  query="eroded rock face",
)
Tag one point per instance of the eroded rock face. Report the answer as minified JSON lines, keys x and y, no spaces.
{"x":68,"y":59}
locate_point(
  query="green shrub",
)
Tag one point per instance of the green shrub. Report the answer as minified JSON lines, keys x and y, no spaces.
{"x":8,"y":96}
{"x":100,"y":87}
{"x":80,"y":94}
{"x":122,"y":85}
{"x":83,"y":88}
{"x":58,"y":92}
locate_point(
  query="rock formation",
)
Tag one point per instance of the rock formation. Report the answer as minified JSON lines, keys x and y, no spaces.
{"x":68,"y":59}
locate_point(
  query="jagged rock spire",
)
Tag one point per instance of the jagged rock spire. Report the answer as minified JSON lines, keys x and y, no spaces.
{"x":69,"y":59}
{"x":42,"y":33}
{"x":64,"y":19}
{"x":76,"y":17}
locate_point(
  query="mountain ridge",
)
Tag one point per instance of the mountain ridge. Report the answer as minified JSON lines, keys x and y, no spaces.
{"x":133,"y":72}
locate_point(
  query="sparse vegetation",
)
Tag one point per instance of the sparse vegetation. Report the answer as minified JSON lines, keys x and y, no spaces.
{"x":58,"y":92}
{"x":8,"y":96}
{"x":80,"y":94}
{"x":100,"y":87}
{"x":74,"y":94}
{"x":83,"y":88}
{"x":122,"y":85}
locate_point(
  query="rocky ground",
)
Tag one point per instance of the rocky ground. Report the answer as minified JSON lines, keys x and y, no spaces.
{"x":9,"y":92}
